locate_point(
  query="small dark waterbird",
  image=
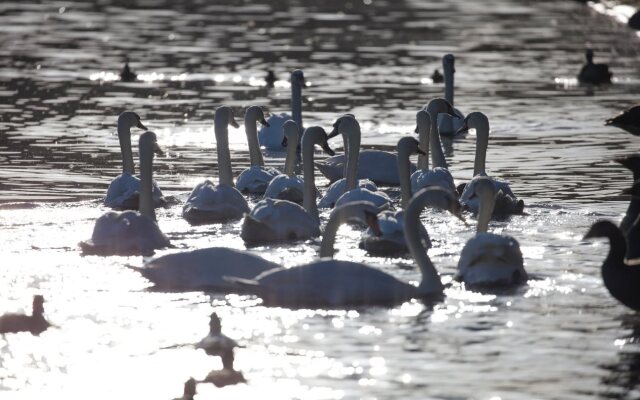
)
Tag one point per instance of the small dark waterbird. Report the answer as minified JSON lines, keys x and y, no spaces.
{"x":227,"y":375}
{"x":628,"y":120}
{"x":216,"y":343}
{"x":34,"y":323}
{"x":127,"y":75}
{"x":594,"y":73}
{"x":437,"y":77}
{"x":189,"y":390}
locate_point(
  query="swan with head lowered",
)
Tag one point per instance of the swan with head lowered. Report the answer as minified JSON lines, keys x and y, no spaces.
{"x":124,"y":191}
{"x":288,"y":186}
{"x":391,"y":241}
{"x":489,"y":259}
{"x":506,"y":201}
{"x":271,"y":135}
{"x":256,"y":178}
{"x":334,"y":283}
{"x":350,"y":188}
{"x":449,"y":124}
{"x":211,"y":203}
{"x":273,"y":220}
{"x":131,"y":232}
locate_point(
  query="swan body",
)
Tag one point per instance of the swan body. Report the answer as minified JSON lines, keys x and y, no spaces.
{"x":338,"y":188}
{"x":378,"y":198}
{"x":449,"y":124}
{"x":594,"y":73}
{"x":210,"y":203}
{"x":227,"y":375}
{"x":131,"y":232}
{"x":375,"y":165}
{"x":288,"y":186}
{"x":628,"y":120}
{"x":489,"y":259}
{"x":216,"y":343}
{"x":34,"y":323}
{"x":437,"y":176}
{"x":271,"y":135}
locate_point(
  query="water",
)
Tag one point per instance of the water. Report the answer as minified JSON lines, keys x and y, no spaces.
{"x":560,"y":336}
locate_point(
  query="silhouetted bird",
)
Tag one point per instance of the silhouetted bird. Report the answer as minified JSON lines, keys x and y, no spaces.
{"x":634,"y":21}
{"x":216,"y":343}
{"x":632,"y":234}
{"x":437,"y":77}
{"x":632,"y":163}
{"x":189,"y":390}
{"x":270,"y":78}
{"x":227,"y":375}
{"x":127,"y":75}
{"x":594,"y":73}
{"x":34,"y":323}
{"x":628,"y":120}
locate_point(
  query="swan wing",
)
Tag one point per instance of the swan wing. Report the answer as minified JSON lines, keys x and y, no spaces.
{"x":255,"y":179}
{"x":490,"y":259}
{"x":271,"y":136}
{"x":278,"y":220}
{"x":214,"y":203}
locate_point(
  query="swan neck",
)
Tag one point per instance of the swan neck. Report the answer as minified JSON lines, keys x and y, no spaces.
{"x":437,"y":155}
{"x":352,"y":143}
{"x":145,"y":205}
{"x":404,"y":169}
{"x":448,"y":85}
{"x":330,"y":231}
{"x":124,"y":136}
{"x":424,"y":132}
{"x":224,"y":157}
{"x":309,"y":188}
{"x":487,"y":204}
{"x":617,"y":249}
{"x":296,"y":106}
{"x":290,"y":161}
{"x":255,"y":155}
{"x":482,"y":143}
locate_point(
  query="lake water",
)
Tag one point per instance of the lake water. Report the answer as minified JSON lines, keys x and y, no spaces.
{"x":560,"y":336}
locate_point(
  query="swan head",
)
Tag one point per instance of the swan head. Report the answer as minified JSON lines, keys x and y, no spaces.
{"x":439,"y":106}
{"x":290,"y":129}
{"x":633,"y":190}
{"x":409,"y":145}
{"x":224,"y":115}
{"x":448,"y":63}
{"x":128,"y":120}
{"x":190,"y":388}
{"x":423,"y":121}
{"x":148,"y":140}
{"x":345,"y":124}
{"x":486,"y":191}
{"x":601,"y":229}
{"x":297,"y":77}
{"x":317,"y":135}
{"x":437,"y":197}
{"x":255,"y":114}
{"x":475,"y":120}
{"x":215,"y":325}
{"x":632,"y":163}
{"x":363,"y":212}
{"x":38,"y":305}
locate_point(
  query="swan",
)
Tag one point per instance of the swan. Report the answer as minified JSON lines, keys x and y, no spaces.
{"x":256,"y":178}
{"x":506,"y":201}
{"x":430,"y":142}
{"x":632,"y":233}
{"x":392,"y":240}
{"x":127,"y":75}
{"x":216,"y":343}
{"x":594,"y":73}
{"x":131,"y":232}
{"x":620,"y":279}
{"x":448,"y":124}
{"x":225,"y":376}
{"x":271,"y":136}
{"x":273,"y":220}
{"x":333,"y":283}
{"x":34,"y":323}
{"x":288,"y":186}
{"x":350,"y":188}
{"x":632,"y":163}
{"x":189,"y":390}
{"x":628,"y":120}
{"x":488,"y":258}
{"x":124,"y":190}
{"x":210,"y":203}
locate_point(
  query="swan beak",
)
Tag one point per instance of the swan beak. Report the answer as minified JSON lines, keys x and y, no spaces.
{"x":421,"y":152}
{"x":416,"y":130}
{"x":234,"y":123}
{"x":327,"y":149}
{"x":334,"y":132}
{"x":372,"y":222}
{"x":464,"y":128}
{"x":158,"y":150}
{"x":141,"y":126}
{"x":456,"y":210}
{"x":264,"y":122}
{"x":285,"y":141}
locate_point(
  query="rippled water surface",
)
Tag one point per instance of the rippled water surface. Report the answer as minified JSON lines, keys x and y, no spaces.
{"x":561,"y":336}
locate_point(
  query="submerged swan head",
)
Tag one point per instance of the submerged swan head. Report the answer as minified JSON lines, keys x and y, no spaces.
{"x":255,"y":114}
{"x":297,"y":77}
{"x":128,"y":120}
{"x":224,"y":115}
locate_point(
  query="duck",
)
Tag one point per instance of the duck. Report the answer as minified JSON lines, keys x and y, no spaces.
{"x":489,"y":259}
{"x":34,"y":323}
{"x":632,"y":163}
{"x":506,"y":202}
{"x":594,"y":73}
{"x":274,"y":220}
{"x":350,"y":188}
{"x":270,"y":79}
{"x":288,"y":186}
{"x":628,"y":120}
{"x":127,"y":75}
{"x":189,"y":390}
{"x":334,"y":283}
{"x":391,"y":241}
{"x":227,"y":375}
{"x":216,"y":343}
{"x":256,"y":178}
{"x":437,"y":77}
{"x":130,"y":233}
{"x":211,"y":203}
{"x":449,"y":124}
{"x":124,"y":191}
{"x":632,"y":232}
{"x":271,"y":136}
{"x":439,"y":175}
{"x":620,"y":279}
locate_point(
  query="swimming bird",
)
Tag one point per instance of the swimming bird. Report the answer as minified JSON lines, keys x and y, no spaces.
{"x":350,"y":188}
{"x":256,"y":178}
{"x":506,"y":201}
{"x":127,"y":75}
{"x":270,"y":78}
{"x":130,"y":233}
{"x":449,"y":123}
{"x":189,"y":390}
{"x":632,"y":163}
{"x":489,"y":259}
{"x":216,"y":343}
{"x":334,"y":283}
{"x":628,"y":120}
{"x":436,"y":77}
{"x":594,"y":73}
{"x":391,"y":241}
{"x":34,"y":323}
{"x":288,"y":186}
{"x":632,"y":233}
{"x":620,"y":279}
{"x":273,"y":220}
{"x":124,"y":191}
{"x":211,"y":203}
{"x":227,"y":375}
{"x":271,"y":136}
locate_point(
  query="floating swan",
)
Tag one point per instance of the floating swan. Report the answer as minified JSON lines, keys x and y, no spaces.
{"x":487,"y":258}
{"x":449,"y":124}
{"x":628,"y":120}
{"x":216,"y":343}
{"x":392,"y":240}
{"x":131,"y":232}
{"x":632,"y":233}
{"x":34,"y":323}
{"x":227,"y":375}
{"x":622,"y":280}
{"x":127,"y":75}
{"x":350,"y":188}
{"x":333,"y":283}
{"x":256,"y":178}
{"x":632,"y":163}
{"x":124,"y":191}
{"x":274,"y":220}
{"x":430,"y":142}
{"x":288,"y":186}
{"x":506,"y":201}
{"x":208,"y":202}
{"x":271,"y":136}
{"x":594,"y":73}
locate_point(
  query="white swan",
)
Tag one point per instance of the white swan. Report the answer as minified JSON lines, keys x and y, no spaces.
{"x":333,"y":283}
{"x":487,"y":258}
{"x":392,"y":240}
{"x":124,"y":191}
{"x":430,"y":143}
{"x":256,"y":178}
{"x":274,"y":220}
{"x":131,"y":232}
{"x":288,"y":186}
{"x":448,"y":124}
{"x":350,"y":188}
{"x":209,"y":202}
{"x":271,"y":136}
{"x":506,"y":201}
